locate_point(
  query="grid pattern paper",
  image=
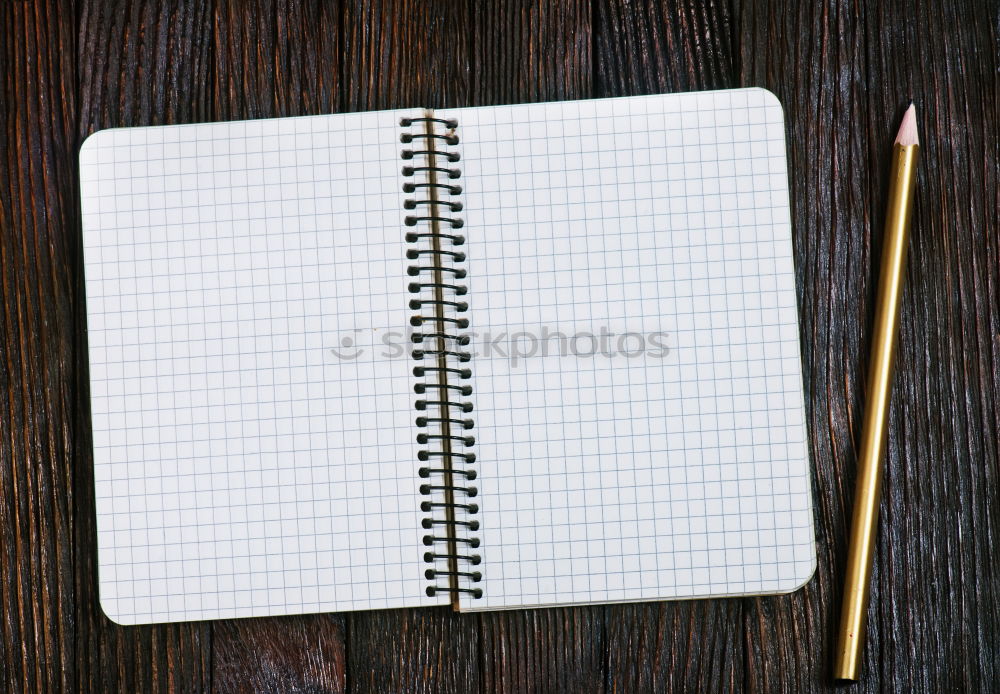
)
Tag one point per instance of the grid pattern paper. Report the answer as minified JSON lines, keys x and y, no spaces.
{"x":637,"y":380}
{"x":254,"y":447}
{"x":638,"y":393}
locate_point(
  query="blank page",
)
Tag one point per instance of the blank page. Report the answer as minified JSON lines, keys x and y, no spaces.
{"x":639,"y":409}
{"x":254,"y":452}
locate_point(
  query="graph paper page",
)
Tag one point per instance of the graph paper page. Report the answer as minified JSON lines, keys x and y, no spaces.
{"x":253,"y":441}
{"x":639,"y":409}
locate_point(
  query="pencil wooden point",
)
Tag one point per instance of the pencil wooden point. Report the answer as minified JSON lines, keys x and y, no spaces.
{"x":908,"y":128}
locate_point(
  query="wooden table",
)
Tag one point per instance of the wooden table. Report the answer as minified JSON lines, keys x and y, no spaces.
{"x":844,"y":70}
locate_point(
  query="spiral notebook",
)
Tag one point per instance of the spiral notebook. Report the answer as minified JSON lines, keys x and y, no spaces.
{"x":501,"y":357}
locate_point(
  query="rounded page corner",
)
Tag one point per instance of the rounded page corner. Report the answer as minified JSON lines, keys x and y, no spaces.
{"x":110,"y":610}
{"x":801,"y":577}
{"x":95,"y":140}
{"x":769,"y":99}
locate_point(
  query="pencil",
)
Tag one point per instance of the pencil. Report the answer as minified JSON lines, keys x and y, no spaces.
{"x":850,"y":640}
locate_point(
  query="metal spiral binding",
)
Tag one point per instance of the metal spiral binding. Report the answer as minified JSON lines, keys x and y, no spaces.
{"x":439,"y":343}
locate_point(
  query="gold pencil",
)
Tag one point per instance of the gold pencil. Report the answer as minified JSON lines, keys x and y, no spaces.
{"x":864,"y":523}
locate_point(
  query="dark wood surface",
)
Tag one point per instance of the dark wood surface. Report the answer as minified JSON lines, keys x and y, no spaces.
{"x":844,"y":70}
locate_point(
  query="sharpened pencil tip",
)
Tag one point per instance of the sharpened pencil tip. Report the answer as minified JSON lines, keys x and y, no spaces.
{"x":908,"y":128}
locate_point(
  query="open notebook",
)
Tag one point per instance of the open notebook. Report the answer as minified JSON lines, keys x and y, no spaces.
{"x":494,"y":357}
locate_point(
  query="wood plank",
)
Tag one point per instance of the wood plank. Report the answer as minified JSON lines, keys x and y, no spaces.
{"x":277,"y":58}
{"x":649,"y":48}
{"x":424,"y":650}
{"x":646,"y":48}
{"x":531,"y":50}
{"x":938,"y":605}
{"x":843,"y":70}
{"x":143,"y":63}
{"x":280,"y":654}
{"x":675,"y":647}
{"x":38,"y":633}
{"x":934,"y":611}
{"x":138,"y":64}
{"x":403,"y":53}
{"x":816,"y":64}
{"x":554,"y":650}
{"x":522,"y":51}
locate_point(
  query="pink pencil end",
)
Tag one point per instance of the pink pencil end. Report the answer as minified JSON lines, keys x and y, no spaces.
{"x":908,"y":128}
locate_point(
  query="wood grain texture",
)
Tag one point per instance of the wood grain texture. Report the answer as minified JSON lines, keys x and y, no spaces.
{"x":405,"y":53}
{"x":143,"y":63}
{"x":37,"y":406}
{"x":648,"y":48}
{"x":691,"y":646}
{"x":284,"y":654}
{"x":557,"y":650}
{"x":816,"y":64}
{"x":939,"y":526}
{"x":931,"y":609}
{"x":413,"y":651}
{"x":530,"y":50}
{"x":275,"y":58}
{"x":843,"y":71}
